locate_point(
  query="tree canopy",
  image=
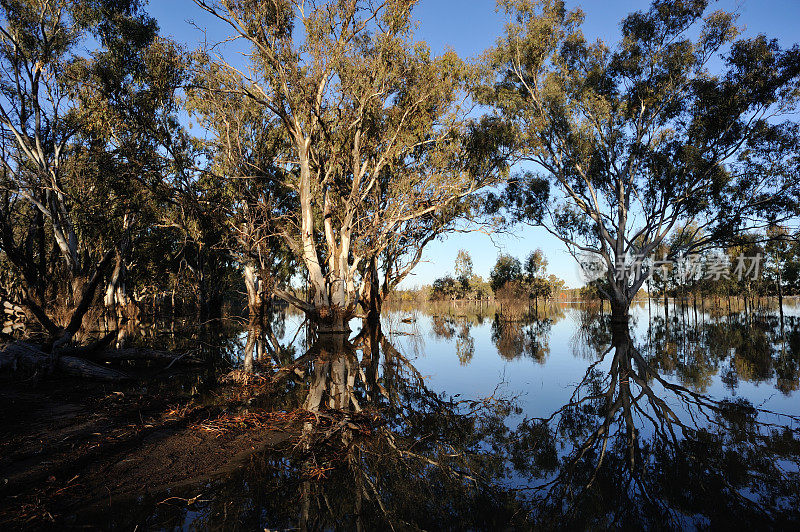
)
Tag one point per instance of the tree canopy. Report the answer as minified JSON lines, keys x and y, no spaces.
{"x":681,"y":122}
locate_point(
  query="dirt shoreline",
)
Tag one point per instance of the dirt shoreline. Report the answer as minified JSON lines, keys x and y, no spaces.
{"x":70,"y":447}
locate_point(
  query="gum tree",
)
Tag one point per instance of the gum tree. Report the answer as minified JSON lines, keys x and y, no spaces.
{"x":373,"y":124}
{"x":242,"y":146}
{"x":85,"y":103}
{"x":679,"y":123}
{"x":535,"y":269}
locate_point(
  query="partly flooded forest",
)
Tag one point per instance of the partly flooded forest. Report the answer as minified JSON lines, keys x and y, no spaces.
{"x":230,"y":297}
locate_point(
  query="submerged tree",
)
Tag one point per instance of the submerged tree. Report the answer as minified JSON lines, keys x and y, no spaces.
{"x":640,"y":137}
{"x":506,"y":270}
{"x":372,"y":124}
{"x":81,"y":134}
{"x":539,"y":286}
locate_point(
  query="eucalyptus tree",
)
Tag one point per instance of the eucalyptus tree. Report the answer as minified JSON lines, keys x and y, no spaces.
{"x":535,"y":268}
{"x":679,"y":122}
{"x":463,"y":264}
{"x":373,"y":124}
{"x":242,"y":148}
{"x":506,"y":270}
{"x":80,"y":137}
{"x":778,"y":254}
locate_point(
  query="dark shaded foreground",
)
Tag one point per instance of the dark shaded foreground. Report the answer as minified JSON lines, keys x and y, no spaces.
{"x":114,"y":456}
{"x":72,"y":444}
{"x":350,"y":436}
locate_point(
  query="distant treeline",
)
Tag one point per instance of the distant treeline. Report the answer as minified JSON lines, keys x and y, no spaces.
{"x":758,"y":266}
{"x":510,"y":279}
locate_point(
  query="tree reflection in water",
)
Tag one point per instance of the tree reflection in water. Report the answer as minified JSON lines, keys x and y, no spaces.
{"x":378,"y":450}
{"x":640,"y":442}
{"x":636,"y":449}
{"x":426,"y":463}
{"x":514,"y":339}
{"x":753,"y":350}
{"x":458,"y":328}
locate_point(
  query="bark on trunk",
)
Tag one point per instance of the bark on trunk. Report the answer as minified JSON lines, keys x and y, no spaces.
{"x":249,"y":349}
{"x":86,"y":297}
{"x":332,"y":319}
{"x":373,"y":296}
{"x":620,"y":314}
{"x":256,"y":298}
{"x":116,"y":295}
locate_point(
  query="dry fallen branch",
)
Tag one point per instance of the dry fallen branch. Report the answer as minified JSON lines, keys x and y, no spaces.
{"x":321,"y":421}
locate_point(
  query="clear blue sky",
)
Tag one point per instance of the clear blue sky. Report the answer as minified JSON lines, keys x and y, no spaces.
{"x":470,"y":27}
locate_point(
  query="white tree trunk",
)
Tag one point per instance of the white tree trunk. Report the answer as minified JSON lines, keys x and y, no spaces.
{"x":310,"y":257}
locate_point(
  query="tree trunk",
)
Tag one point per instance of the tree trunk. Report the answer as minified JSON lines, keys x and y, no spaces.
{"x":256,"y":304}
{"x":373,"y":296}
{"x":249,"y":348}
{"x":203,"y":310}
{"x":116,"y":296}
{"x":620,"y":314}
{"x":87,"y":291}
{"x":26,"y":355}
{"x":746,"y":309}
{"x":780,"y":294}
{"x":332,"y":320}
{"x":317,"y":281}
{"x":703,"y":307}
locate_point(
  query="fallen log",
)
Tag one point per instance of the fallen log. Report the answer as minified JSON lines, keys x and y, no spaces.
{"x":30,"y":356}
{"x":89,"y":351}
{"x":137,"y":353}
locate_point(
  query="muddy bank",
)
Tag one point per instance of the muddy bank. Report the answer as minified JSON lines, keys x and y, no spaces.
{"x":69,"y":446}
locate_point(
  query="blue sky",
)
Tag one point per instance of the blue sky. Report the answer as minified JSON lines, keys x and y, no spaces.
{"x":470,"y":27}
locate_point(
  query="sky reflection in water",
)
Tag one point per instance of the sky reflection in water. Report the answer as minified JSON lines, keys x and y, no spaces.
{"x":584,"y":428}
{"x":543,"y":383}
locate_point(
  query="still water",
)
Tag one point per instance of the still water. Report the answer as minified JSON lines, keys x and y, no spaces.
{"x":459,"y":418}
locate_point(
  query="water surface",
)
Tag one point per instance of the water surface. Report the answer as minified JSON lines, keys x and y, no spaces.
{"x":457,"y":417}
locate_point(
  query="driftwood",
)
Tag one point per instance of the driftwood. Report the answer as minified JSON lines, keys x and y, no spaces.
{"x":27,"y":355}
{"x":100,"y":352}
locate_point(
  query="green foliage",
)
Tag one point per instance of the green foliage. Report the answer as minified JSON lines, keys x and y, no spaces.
{"x":87,"y":109}
{"x":507,"y":269}
{"x":383,"y":158}
{"x":644,"y":135}
{"x":463,"y":266}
